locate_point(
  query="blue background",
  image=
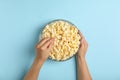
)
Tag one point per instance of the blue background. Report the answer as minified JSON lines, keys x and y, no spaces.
{"x":20,"y":24}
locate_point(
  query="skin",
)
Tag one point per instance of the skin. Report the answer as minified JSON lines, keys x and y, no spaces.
{"x":42,"y":50}
{"x":82,"y":69}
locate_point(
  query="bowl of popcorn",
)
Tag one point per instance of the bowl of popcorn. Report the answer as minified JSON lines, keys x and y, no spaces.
{"x":67,"y":39}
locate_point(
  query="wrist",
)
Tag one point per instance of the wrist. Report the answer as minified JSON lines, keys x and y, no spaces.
{"x":39,"y":60}
{"x":80,"y":58}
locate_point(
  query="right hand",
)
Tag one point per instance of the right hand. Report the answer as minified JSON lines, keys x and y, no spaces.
{"x":43,"y":48}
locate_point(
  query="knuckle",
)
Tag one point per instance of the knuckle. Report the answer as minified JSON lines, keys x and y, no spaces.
{"x":36,"y":46}
{"x":42,"y":48}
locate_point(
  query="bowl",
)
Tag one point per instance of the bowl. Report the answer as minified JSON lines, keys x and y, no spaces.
{"x":53,"y":22}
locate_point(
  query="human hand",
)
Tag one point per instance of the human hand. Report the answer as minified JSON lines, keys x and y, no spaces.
{"x":83,"y":47}
{"x":43,"y":48}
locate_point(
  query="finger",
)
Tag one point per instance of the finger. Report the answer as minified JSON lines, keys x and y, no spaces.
{"x":82,"y":42}
{"x":85,"y":42}
{"x":42,"y":42}
{"x":47,"y":43}
{"x":82,"y":36}
{"x":51,"y":44}
{"x":80,"y":33}
{"x":81,"y":45}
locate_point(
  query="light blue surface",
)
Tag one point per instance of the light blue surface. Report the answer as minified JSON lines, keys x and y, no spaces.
{"x":20,"y":24}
